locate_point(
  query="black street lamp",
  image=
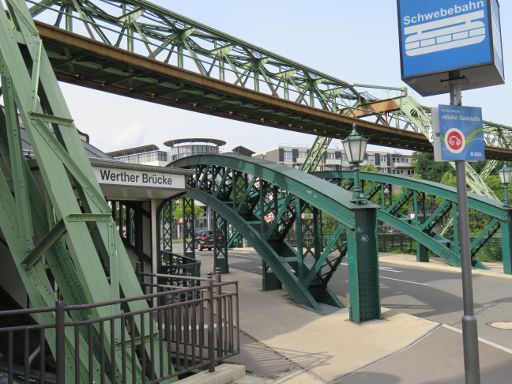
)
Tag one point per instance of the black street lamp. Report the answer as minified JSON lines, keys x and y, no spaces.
{"x":355,"y":149}
{"x":505,"y":178}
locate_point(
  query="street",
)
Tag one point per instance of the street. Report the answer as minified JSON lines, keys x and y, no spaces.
{"x":432,"y":295}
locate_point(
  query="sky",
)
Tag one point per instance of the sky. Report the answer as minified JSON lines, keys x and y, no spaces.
{"x":355,"y":41}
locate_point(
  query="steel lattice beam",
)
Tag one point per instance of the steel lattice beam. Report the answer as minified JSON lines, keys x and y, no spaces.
{"x":63,"y":221}
{"x":412,"y":199}
{"x":252,"y":208}
{"x":113,"y":30}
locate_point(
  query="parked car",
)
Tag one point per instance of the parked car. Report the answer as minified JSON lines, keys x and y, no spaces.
{"x":205,"y":239}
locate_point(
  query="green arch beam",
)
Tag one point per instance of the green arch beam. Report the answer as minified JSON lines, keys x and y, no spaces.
{"x":490,"y":207}
{"x":500,"y":215}
{"x":307,"y":284}
{"x":320,"y":194}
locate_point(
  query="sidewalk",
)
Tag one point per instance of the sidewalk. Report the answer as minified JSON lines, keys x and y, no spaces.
{"x":285,"y":344}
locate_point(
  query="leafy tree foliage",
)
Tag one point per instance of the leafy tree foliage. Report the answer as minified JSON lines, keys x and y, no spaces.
{"x":427,"y":168}
{"x":178,"y":211}
{"x":369,"y":167}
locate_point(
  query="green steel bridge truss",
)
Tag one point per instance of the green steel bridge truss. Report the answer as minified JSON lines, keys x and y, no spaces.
{"x":302,"y":251}
{"x":164,"y":37}
{"x":141,"y":50}
{"x":53,"y":216}
{"x":245,"y":191}
{"x":297,"y":93}
{"x":420,"y":209}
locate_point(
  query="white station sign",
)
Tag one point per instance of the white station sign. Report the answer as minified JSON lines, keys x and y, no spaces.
{"x":129,"y":184}
{"x":133,"y":178}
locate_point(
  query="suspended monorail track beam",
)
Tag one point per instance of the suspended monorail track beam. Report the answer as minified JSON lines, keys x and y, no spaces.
{"x":93,"y":64}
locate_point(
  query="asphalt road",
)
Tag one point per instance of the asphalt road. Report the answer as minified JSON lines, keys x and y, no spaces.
{"x":433,"y":295}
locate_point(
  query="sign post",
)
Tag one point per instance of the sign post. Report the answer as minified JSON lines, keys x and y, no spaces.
{"x":469,"y":322}
{"x":451,"y":46}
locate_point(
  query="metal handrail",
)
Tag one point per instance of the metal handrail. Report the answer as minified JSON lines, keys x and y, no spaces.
{"x":182,"y":331}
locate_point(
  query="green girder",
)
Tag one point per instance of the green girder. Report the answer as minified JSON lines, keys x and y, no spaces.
{"x":480,"y":203}
{"x":165,"y":37}
{"x":54,"y":219}
{"x":153,"y":31}
{"x":265,"y":190}
{"x":324,"y":196}
{"x":422,"y":231}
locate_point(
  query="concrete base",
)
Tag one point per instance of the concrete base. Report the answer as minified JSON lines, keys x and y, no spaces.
{"x":224,"y":374}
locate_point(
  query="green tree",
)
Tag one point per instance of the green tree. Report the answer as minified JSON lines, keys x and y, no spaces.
{"x":369,"y":167}
{"x":493,"y":181}
{"x":178,"y":211}
{"x":449,"y":178}
{"x":427,"y":168}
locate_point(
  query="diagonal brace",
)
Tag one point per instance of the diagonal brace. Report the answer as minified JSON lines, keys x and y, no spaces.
{"x":46,"y":242}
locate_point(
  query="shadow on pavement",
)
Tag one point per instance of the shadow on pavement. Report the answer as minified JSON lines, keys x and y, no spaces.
{"x":261,"y":360}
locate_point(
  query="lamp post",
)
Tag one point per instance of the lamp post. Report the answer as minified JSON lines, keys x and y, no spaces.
{"x":505,"y":178}
{"x":355,"y":149}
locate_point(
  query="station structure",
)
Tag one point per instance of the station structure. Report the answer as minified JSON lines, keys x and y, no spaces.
{"x":92,"y":281}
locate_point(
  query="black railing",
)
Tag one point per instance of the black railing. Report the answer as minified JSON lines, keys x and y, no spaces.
{"x":169,"y":333}
{"x":396,"y":243}
{"x":176,"y":265}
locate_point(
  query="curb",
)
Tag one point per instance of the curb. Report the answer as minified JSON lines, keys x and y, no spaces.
{"x":224,"y":374}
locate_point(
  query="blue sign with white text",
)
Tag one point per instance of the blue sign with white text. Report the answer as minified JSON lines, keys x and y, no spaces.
{"x":461,"y":133}
{"x":439,"y":35}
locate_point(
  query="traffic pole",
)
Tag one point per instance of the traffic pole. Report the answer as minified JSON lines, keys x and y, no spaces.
{"x":469,"y":322}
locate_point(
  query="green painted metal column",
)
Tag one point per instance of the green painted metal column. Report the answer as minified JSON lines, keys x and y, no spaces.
{"x":506,"y":243}
{"x":420,"y":208}
{"x":363,"y":266}
{"x":188,"y":227}
{"x":270,"y":281}
{"x":220,"y":243}
{"x":166,"y":225}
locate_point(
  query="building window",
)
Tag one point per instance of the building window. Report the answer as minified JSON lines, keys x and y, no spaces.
{"x":288,"y":155}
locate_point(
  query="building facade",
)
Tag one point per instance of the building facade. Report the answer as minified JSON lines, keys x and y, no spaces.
{"x":179,"y":148}
{"x":334,"y":159}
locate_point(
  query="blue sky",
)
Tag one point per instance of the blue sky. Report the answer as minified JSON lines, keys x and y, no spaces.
{"x":356,"y":41}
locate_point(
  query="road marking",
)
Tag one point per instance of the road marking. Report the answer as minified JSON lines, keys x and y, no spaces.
{"x":387,"y":269}
{"x":480,"y":339}
{"x":404,"y":281}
